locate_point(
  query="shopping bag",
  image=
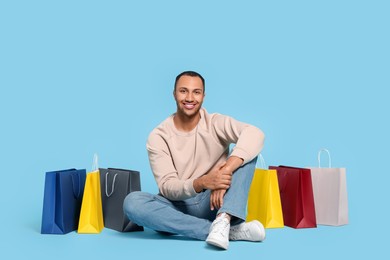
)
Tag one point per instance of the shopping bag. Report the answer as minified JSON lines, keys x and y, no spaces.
{"x":91,"y":215}
{"x":264,"y":198}
{"x":116,"y":184}
{"x":296,"y":195}
{"x":330,"y":193}
{"x":62,"y":201}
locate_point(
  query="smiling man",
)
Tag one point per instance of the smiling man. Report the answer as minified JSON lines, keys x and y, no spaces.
{"x":203,"y":186}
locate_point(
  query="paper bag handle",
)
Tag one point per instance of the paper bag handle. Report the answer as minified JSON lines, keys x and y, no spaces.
{"x":112,"y":186}
{"x":74,"y":185}
{"x":262,"y":162}
{"x":95,"y":165}
{"x":319,"y":157}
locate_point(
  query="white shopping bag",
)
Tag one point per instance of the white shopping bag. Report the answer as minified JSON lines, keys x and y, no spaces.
{"x":330,"y":193}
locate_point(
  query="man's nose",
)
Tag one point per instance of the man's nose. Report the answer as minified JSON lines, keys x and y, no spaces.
{"x":189,"y":97}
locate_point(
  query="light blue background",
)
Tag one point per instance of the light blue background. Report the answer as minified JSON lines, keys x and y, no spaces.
{"x":79,"y":77}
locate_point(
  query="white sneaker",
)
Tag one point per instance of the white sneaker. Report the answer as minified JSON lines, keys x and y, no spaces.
{"x":249,"y":231}
{"x":219,"y":232}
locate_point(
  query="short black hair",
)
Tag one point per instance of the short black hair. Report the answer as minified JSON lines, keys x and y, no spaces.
{"x":191,"y":74}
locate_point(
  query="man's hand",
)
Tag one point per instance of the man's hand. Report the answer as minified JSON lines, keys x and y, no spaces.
{"x":217,"y":178}
{"x":216,"y":199}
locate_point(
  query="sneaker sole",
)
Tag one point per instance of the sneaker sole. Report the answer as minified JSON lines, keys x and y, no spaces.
{"x":217,"y":243}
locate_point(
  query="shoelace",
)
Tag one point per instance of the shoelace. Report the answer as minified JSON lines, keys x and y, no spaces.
{"x":239,"y":233}
{"x":221,"y":225}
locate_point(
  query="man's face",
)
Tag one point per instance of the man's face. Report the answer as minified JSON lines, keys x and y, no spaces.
{"x":189,"y":95}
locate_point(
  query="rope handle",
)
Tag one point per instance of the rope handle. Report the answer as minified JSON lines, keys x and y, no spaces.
{"x":319,"y":157}
{"x":95,"y":165}
{"x":112,"y":186}
{"x":262,"y":162}
{"x":74,"y":184}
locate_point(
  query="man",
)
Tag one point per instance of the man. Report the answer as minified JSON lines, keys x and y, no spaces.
{"x":203,"y":188}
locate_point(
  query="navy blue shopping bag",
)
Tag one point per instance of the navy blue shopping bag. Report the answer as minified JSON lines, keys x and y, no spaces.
{"x":62,"y":201}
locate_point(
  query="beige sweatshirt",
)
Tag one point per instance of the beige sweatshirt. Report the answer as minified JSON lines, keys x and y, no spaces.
{"x":178,"y":158}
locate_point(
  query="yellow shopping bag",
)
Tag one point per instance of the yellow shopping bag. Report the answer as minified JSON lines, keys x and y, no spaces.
{"x":264,"y":198}
{"x":91,"y":214}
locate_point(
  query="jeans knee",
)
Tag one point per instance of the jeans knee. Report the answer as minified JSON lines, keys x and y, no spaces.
{"x":133,"y":203}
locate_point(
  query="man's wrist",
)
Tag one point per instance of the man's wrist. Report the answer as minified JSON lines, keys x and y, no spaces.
{"x":198,"y":184}
{"x":233,"y":163}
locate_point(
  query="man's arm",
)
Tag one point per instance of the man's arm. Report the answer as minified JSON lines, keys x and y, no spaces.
{"x":165,"y":172}
{"x":218,"y":181}
{"x":219,"y":177}
{"x":248,"y":139}
{"x":249,"y":142}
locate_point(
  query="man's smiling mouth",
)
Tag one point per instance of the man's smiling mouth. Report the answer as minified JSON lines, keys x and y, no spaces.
{"x":189,"y":105}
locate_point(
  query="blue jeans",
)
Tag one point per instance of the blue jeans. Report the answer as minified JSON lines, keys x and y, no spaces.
{"x":191,"y":217}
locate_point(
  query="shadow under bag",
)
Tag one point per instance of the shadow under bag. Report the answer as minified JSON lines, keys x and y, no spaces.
{"x":62,"y":201}
{"x":116,"y":184}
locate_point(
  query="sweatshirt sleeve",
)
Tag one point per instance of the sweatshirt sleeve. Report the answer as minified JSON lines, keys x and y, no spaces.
{"x":248,"y":139}
{"x":164,"y":171}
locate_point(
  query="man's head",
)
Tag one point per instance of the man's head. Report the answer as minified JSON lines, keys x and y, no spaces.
{"x":189,"y":93}
{"x":190,"y":74}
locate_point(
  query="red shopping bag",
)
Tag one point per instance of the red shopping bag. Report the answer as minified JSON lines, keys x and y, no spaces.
{"x":296,"y":195}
